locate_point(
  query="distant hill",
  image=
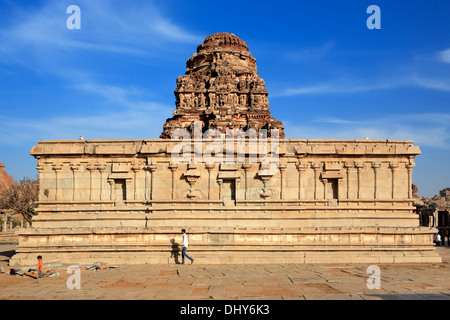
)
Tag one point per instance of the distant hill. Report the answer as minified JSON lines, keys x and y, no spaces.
{"x":439,"y":201}
{"x":5,"y":179}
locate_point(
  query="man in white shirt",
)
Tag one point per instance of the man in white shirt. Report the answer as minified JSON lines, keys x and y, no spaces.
{"x":185,"y":246}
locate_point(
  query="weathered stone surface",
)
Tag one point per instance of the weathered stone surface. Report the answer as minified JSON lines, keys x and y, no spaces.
{"x":222,"y":90}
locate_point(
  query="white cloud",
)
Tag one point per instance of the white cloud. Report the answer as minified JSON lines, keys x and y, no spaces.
{"x":174,"y":32}
{"x":356,"y":86}
{"x":39,"y":39}
{"x":311,"y":52}
{"x":336,"y":87}
{"x":117,"y":124}
{"x":427,"y":75}
{"x":444,"y":55}
{"x":115,"y":94}
{"x":111,"y":26}
{"x":427,"y":129}
{"x":430,"y":83}
{"x":130,"y":115}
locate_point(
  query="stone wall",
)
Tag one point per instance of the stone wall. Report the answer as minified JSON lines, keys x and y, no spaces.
{"x":134,"y":171}
{"x":327,"y":201}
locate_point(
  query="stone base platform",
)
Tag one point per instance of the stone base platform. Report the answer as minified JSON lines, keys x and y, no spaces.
{"x":213,"y":245}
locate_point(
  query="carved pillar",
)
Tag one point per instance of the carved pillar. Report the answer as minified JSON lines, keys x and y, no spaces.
{"x":282,"y":168}
{"x":376,"y":168}
{"x":173,"y":167}
{"x":150,"y":169}
{"x":56,"y":169}
{"x":339,"y":186}
{"x":135,"y":169}
{"x":301,"y":170}
{"x":146,"y":183}
{"x":40,"y":169}
{"x":127,"y":189}
{"x":315,"y":167}
{"x":435,"y":218}
{"x":325,"y":182}
{"x":74,"y":168}
{"x":359,"y":166}
{"x":393,"y":167}
{"x":410,"y":167}
{"x":90,"y":169}
{"x":348,"y":166}
{"x":112,"y":194}
{"x":220,"y":182}
{"x":246,"y":168}
{"x":101,"y":169}
{"x":209,"y":167}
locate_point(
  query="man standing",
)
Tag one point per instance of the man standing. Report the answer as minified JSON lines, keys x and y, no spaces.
{"x":185,"y":246}
{"x":438,"y":239}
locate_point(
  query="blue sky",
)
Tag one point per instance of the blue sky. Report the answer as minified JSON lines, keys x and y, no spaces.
{"x":327,"y":74}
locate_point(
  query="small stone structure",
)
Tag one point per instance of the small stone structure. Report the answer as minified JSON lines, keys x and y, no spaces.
{"x":269,"y":200}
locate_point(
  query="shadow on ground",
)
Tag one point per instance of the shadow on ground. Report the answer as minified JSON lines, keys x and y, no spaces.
{"x":6,"y":252}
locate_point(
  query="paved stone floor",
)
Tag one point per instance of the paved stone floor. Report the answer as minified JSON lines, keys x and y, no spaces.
{"x":234,"y":282}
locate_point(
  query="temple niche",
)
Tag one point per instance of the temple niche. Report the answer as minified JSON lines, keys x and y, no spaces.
{"x":222,"y":89}
{"x":260,"y":200}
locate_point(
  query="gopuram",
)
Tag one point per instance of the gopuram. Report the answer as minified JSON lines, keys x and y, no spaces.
{"x":223,"y":170}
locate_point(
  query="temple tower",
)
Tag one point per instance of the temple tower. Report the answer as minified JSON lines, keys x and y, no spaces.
{"x":222,"y":90}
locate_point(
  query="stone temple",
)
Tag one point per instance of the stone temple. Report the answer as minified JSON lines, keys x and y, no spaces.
{"x":264,"y":198}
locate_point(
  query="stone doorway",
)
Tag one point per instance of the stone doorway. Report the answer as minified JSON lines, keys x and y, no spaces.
{"x":229,"y":192}
{"x":331,"y":190}
{"x":120,"y":189}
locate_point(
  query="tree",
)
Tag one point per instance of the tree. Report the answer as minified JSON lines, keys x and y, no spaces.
{"x":21,"y":198}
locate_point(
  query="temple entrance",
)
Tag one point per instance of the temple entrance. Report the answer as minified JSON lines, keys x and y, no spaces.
{"x":120,"y":188}
{"x":331,"y":189}
{"x":229,"y":192}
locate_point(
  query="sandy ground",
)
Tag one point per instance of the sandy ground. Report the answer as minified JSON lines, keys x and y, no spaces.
{"x":233,"y":282}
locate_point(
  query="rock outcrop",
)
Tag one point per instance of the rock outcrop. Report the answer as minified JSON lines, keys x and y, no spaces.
{"x":438,"y":201}
{"x":5,"y":179}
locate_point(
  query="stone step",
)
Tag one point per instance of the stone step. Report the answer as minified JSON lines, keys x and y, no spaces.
{"x":214,"y":229}
{"x":230,"y":257}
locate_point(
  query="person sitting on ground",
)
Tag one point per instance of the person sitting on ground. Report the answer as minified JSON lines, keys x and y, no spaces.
{"x":40,"y":270}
